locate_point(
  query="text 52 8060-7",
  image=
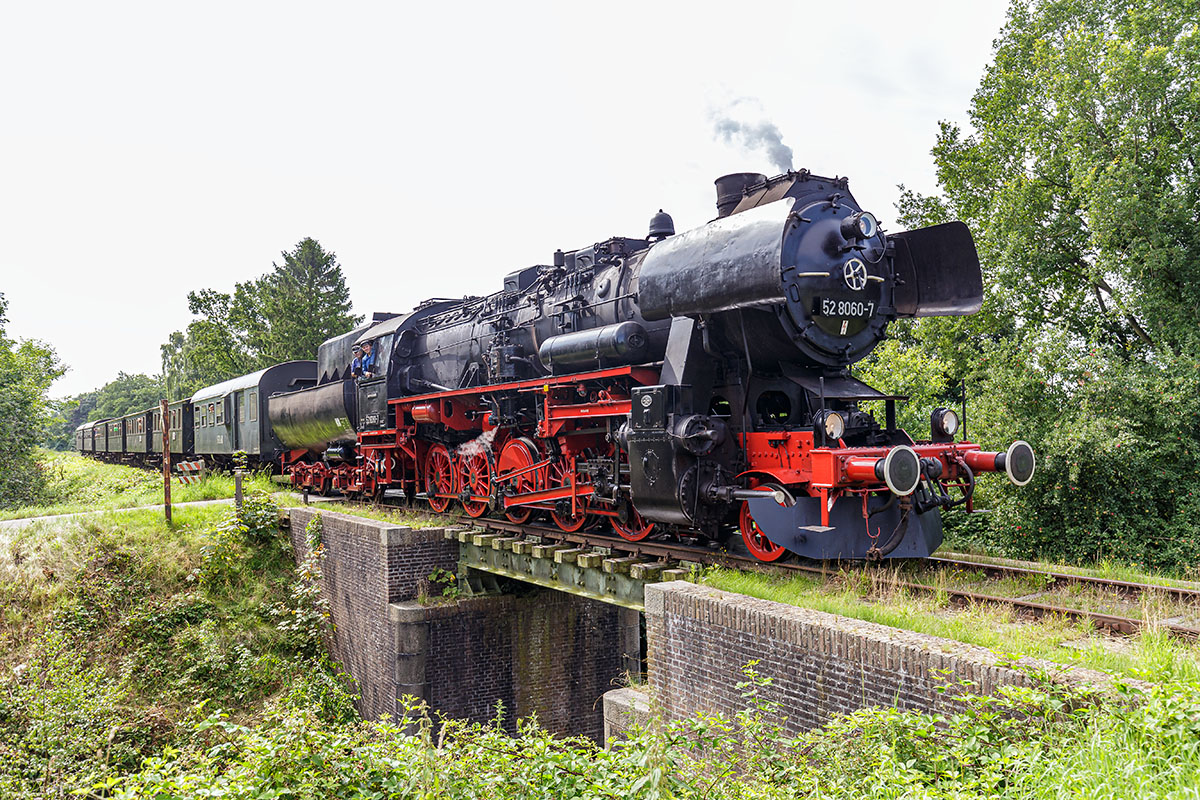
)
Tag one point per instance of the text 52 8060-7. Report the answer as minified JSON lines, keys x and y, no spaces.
{"x":829,"y":307}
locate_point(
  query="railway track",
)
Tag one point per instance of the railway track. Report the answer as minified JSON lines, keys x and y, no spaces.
{"x":1028,"y":606}
{"x":1037,"y":602}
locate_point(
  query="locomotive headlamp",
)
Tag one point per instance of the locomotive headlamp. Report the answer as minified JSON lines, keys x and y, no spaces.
{"x":943,"y":423}
{"x":859,"y":225}
{"x":832,"y":422}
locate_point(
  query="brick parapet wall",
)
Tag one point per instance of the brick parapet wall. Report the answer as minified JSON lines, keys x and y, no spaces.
{"x":367,"y":565}
{"x":821,"y":664}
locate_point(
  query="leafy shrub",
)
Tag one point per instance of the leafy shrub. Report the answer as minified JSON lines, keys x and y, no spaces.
{"x":223,"y":555}
{"x":306,"y":617}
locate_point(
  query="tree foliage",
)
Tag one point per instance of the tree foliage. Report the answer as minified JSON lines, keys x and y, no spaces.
{"x":281,"y":316}
{"x":1078,"y":175}
{"x":125,"y":395}
{"x":67,"y":414}
{"x":27,"y":368}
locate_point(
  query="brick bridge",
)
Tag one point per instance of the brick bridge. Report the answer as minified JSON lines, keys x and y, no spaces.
{"x":563,"y":654}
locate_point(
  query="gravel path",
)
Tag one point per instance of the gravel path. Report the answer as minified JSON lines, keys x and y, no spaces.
{"x":16,"y":524}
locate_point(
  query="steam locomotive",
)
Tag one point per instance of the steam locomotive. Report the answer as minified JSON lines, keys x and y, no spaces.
{"x":692,"y":385}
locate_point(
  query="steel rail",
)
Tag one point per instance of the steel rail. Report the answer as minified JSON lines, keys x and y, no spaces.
{"x":1181,"y":594}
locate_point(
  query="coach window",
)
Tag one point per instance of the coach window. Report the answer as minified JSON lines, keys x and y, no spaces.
{"x":212,"y":414}
{"x":253,"y":401}
{"x":220,"y":410}
{"x":242,"y":410}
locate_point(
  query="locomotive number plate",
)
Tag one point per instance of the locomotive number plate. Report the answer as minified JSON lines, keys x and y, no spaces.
{"x":846,"y":309}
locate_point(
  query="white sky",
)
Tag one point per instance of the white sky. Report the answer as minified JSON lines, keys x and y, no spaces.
{"x":148,"y":149}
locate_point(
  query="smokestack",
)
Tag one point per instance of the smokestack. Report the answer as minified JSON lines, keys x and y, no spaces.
{"x":732,"y":188}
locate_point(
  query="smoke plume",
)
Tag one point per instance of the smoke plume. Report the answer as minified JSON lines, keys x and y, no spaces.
{"x":756,"y":136}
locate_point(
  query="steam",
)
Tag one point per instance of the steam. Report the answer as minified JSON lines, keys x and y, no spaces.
{"x":480,"y":444}
{"x":764,"y":136}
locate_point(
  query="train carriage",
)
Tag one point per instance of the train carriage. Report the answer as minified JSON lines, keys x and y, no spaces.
{"x":137,"y":433}
{"x":180,"y":429}
{"x":232,"y":415}
{"x":115,"y":438}
{"x":85,"y":438}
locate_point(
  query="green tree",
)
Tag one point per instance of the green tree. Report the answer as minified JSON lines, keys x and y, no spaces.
{"x":304,"y":300}
{"x":281,"y":316}
{"x":27,"y":368}
{"x":67,"y":414}
{"x":1079,"y":178}
{"x":125,"y":395}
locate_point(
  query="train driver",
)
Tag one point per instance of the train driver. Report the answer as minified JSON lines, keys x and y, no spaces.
{"x":368,"y":361}
{"x":356,"y":364}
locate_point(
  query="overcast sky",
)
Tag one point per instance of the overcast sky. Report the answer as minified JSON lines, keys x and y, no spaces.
{"x":149,"y":149}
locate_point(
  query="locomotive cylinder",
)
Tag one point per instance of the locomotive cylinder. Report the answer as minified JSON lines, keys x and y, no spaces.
{"x":612,"y":345}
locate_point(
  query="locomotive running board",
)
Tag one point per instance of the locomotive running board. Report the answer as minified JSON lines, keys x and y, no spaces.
{"x":798,"y":528}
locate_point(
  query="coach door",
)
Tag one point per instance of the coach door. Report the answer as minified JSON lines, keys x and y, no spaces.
{"x":247,"y":404}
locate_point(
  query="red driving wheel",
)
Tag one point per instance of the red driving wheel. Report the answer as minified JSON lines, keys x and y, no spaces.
{"x":560,"y":475}
{"x":635,"y":528}
{"x":515,"y":455}
{"x":759,"y":545}
{"x":439,"y":477}
{"x":475,"y":476}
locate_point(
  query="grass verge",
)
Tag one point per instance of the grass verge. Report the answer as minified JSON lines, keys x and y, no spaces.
{"x":118,"y":631}
{"x":873,"y":597}
{"x":77,"y":483}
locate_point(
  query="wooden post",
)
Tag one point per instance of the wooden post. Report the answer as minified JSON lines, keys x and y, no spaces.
{"x":237,"y":490}
{"x":166,"y":434}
